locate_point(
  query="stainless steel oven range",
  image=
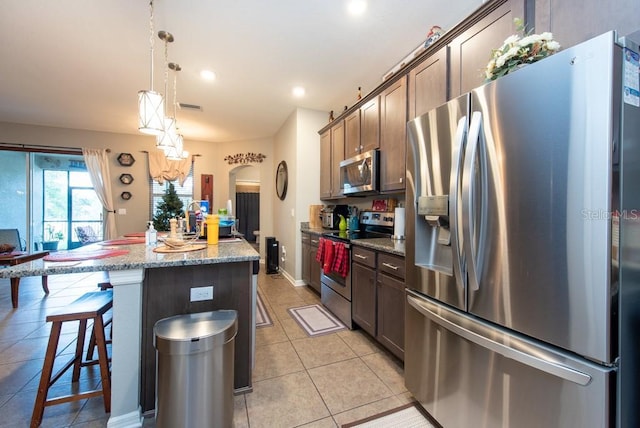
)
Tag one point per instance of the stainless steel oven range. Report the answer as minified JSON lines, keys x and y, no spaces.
{"x":336,"y":289}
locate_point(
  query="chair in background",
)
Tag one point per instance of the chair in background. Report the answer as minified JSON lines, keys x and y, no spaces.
{"x":86,"y":235}
{"x":12,"y":236}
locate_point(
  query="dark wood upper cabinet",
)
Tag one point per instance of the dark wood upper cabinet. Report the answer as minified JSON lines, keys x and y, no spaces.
{"x":393,"y":135}
{"x":370,"y":125}
{"x":352,"y":134}
{"x":325,"y":165}
{"x":428,"y":84}
{"x":470,"y":51}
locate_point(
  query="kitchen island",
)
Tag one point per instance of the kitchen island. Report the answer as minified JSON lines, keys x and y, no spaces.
{"x":148,"y":286}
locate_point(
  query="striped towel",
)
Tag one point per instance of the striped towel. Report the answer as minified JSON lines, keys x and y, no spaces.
{"x":341,"y":259}
{"x":320,"y":252}
{"x":329,"y":249}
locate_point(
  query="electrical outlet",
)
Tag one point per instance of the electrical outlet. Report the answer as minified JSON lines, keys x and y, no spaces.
{"x":201,"y":293}
{"x":122,"y":211}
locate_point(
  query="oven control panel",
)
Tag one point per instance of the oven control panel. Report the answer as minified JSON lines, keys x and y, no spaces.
{"x":377,"y":218}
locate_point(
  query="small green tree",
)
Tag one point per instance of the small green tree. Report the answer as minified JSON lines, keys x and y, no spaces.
{"x":170,"y":207}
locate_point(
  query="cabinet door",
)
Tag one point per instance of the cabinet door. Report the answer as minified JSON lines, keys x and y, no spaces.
{"x":337,"y":156}
{"x":305,"y":259}
{"x":470,"y":51}
{"x":575,"y":21}
{"x":428,"y":84}
{"x":391,"y":298}
{"x":363,"y":297}
{"x":314,"y":265}
{"x":352,"y":134}
{"x":325,"y":165}
{"x":370,"y":125}
{"x":393,"y":136}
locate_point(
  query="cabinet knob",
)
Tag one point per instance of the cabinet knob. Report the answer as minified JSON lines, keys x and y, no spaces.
{"x":401,"y":179}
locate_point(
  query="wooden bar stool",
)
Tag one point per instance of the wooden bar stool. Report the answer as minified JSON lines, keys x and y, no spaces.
{"x":90,"y":306}
{"x":92,"y":340}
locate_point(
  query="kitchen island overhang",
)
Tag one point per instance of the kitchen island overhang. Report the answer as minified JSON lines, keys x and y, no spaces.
{"x":227,"y":266}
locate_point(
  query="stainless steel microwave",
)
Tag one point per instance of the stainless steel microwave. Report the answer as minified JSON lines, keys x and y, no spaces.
{"x":360,"y":174}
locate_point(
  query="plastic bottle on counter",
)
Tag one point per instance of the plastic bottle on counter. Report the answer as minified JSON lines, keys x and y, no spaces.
{"x":151,"y":235}
{"x":173,"y":228}
{"x":212,"y":229}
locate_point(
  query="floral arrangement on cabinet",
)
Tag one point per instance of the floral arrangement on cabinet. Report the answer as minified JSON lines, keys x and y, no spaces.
{"x":518,"y":51}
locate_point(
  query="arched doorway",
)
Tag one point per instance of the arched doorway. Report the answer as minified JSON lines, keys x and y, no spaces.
{"x":244,"y":191}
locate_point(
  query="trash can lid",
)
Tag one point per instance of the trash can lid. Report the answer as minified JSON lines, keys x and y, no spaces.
{"x":220,"y":324}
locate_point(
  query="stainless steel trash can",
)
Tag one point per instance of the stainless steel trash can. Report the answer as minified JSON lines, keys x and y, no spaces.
{"x":194,"y":369}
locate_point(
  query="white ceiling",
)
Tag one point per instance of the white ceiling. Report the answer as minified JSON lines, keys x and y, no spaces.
{"x":80,"y":63}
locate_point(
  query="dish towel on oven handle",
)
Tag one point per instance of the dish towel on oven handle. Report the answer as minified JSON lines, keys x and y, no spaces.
{"x":329,"y":251}
{"x":320,"y":252}
{"x":341,"y":259}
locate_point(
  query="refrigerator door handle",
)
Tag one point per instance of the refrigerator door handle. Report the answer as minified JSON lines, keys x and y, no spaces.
{"x":468,"y":213}
{"x":550,"y":367}
{"x":454,"y":194}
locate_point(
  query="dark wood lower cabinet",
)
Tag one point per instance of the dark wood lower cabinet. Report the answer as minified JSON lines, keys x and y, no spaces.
{"x":166,"y":292}
{"x":378,"y":297}
{"x":363,"y":301}
{"x":310,"y":267}
{"x":391,"y":301}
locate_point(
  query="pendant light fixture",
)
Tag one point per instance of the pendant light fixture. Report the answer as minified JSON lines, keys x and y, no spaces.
{"x":150,"y":103}
{"x":176,"y":150}
{"x":166,"y":138}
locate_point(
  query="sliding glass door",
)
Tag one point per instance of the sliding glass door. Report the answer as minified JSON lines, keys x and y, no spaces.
{"x":46,"y":196}
{"x":14,"y":192}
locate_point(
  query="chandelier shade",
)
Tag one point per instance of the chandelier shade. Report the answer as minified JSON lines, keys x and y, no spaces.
{"x":150,"y":112}
{"x":150,"y":103}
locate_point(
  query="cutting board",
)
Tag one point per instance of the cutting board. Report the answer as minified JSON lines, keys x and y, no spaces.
{"x":314,"y":216}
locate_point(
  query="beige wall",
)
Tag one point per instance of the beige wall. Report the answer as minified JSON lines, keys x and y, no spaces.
{"x":298,"y":143}
{"x":210,"y":161}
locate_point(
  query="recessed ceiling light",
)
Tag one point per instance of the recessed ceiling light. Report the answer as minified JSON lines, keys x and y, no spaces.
{"x":208,"y":75}
{"x":298,"y":91}
{"x":356,"y":7}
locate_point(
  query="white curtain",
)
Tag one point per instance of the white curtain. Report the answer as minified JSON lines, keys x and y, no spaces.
{"x":161,"y":168}
{"x":98,"y":165}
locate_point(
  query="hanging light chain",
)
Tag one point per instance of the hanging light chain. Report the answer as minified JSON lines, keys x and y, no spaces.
{"x":175,"y":67}
{"x":151,"y":41}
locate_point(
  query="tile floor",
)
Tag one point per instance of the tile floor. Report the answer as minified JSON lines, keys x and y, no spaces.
{"x":318,"y":382}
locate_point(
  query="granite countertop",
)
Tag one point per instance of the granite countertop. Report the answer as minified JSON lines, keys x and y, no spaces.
{"x":387,"y":245}
{"x":139,"y":257}
{"x":314,"y":231}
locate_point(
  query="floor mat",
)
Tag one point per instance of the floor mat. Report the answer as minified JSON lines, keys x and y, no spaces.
{"x":408,"y":416}
{"x":262,"y":315}
{"x":315,"y":320}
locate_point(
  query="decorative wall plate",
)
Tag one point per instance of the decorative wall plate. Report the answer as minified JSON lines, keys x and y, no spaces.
{"x":126,"y":159}
{"x":126,"y":178}
{"x":125,"y":195}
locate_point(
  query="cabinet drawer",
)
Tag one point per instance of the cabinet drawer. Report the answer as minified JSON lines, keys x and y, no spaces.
{"x":393,"y":265}
{"x":314,"y":241}
{"x":362,"y":256}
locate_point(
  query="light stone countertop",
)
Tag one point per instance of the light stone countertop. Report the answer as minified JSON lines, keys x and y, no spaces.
{"x":139,"y":256}
{"x":387,"y":245}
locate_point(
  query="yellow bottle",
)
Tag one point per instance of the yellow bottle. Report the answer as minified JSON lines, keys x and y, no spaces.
{"x":212,"y":229}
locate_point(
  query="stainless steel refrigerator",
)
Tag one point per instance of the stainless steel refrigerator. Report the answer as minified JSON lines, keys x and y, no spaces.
{"x":523,"y":246}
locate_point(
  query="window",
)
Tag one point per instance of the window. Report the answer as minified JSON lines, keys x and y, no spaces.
{"x":69,"y":201}
{"x":185,"y":193}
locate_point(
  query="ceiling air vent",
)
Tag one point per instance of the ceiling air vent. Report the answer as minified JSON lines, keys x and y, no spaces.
{"x":190,"y":106}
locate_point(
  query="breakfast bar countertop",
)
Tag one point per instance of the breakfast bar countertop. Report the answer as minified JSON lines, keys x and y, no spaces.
{"x":139,"y":257}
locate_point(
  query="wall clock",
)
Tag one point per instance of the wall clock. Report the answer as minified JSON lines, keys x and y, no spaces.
{"x":125,"y":195}
{"x":126,"y":159}
{"x":282,"y":180}
{"x":126,"y":178}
